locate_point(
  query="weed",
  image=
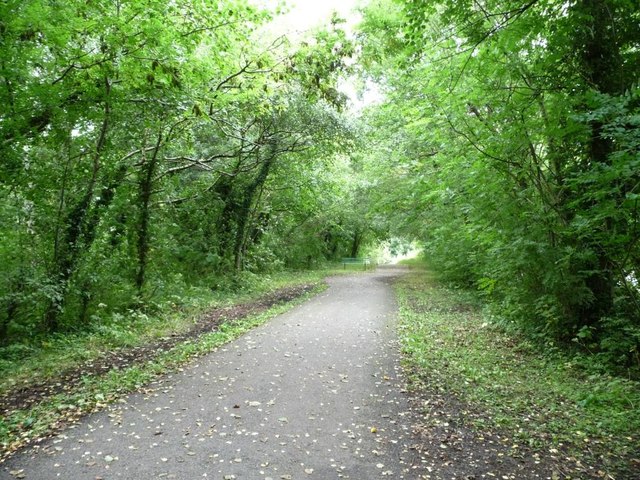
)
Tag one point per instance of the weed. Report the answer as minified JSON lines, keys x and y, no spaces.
{"x":20,"y":427}
{"x":541,"y":401}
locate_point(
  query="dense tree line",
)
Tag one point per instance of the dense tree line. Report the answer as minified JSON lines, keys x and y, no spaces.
{"x":510,"y":146}
{"x":148,"y":146}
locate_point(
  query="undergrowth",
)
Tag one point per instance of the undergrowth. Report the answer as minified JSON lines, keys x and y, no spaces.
{"x":21,"y":427}
{"x":43,"y":357}
{"x":545,"y":402}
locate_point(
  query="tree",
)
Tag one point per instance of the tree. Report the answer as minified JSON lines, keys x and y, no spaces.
{"x":515,"y":149}
{"x":95,"y":95}
{"x":144,"y":147}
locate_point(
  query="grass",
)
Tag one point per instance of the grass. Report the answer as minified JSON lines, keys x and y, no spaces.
{"x":41,"y":359}
{"x":540,"y":402}
{"x":42,"y":362}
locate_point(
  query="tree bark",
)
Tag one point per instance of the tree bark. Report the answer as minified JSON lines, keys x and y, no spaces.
{"x":145,"y":191}
{"x":247,"y":201}
{"x":602,"y":62}
{"x":66,"y":258}
{"x":355,"y":245}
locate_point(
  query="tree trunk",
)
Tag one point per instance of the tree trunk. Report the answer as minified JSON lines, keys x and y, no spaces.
{"x":145,"y":190}
{"x":355,"y":245}
{"x":77,"y":228}
{"x":225,"y":191}
{"x":245,"y":207}
{"x":601,"y":63}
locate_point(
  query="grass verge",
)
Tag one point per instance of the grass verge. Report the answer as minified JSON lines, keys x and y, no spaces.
{"x":41,"y":359}
{"x":541,"y":403}
{"x":21,"y":427}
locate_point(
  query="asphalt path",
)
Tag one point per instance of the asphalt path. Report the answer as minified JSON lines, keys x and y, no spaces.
{"x":316,"y":393}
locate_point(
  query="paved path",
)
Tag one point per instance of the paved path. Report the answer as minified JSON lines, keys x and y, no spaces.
{"x":297,"y":398}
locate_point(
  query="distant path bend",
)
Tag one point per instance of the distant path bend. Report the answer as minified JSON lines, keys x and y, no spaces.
{"x":313,"y":394}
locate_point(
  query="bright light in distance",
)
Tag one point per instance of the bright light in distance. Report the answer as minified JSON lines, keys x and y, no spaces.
{"x":299,"y":21}
{"x":304,"y":15}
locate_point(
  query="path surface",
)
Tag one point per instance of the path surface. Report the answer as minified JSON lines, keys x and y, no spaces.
{"x":297,"y":398}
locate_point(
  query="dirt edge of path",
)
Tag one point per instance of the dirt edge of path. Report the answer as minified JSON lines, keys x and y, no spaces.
{"x":28,"y":396}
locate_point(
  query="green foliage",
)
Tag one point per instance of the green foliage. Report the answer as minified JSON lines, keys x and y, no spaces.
{"x":538,"y":400}
{"x":150,"y":148}
{"x":41,"y":358}
{"x":21,"y":426}
{"x":509,"y":147}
